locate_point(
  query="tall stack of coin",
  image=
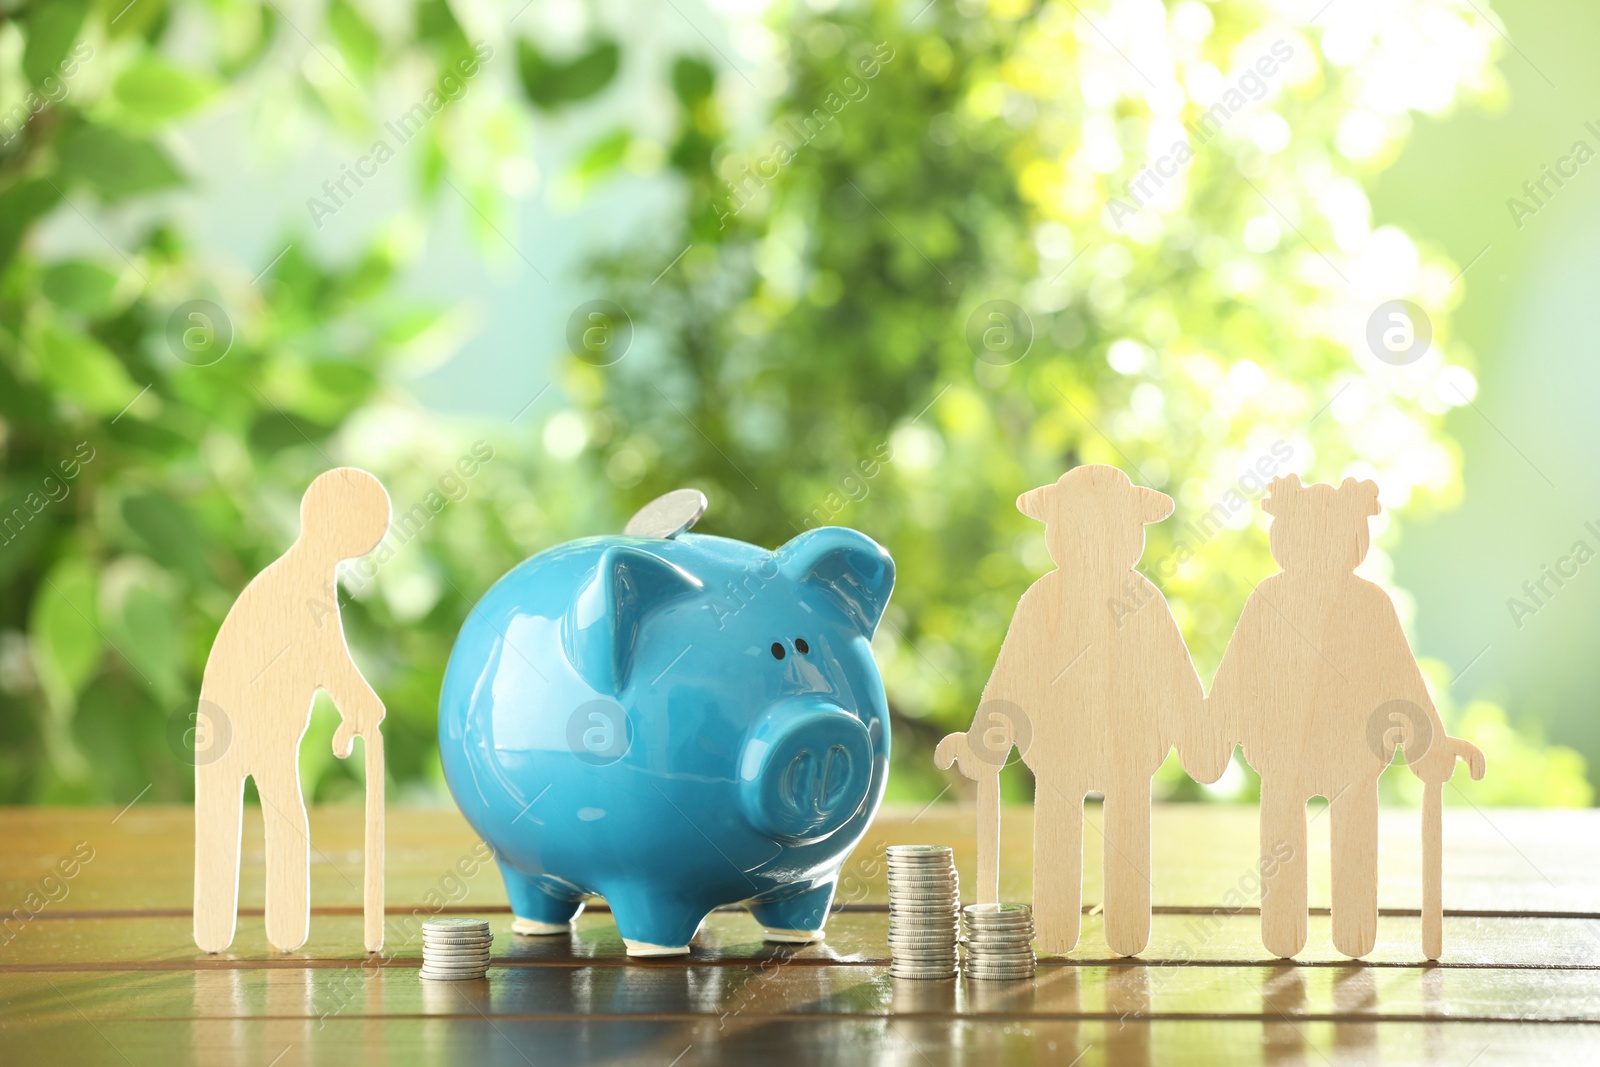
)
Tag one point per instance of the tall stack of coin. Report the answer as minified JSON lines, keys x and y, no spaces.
{"x":455,"y":950}
{"x":999,"y":940}
{"x":924,"y":898}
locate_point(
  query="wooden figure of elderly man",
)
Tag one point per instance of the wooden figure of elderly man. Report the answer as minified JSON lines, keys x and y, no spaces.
{"x":280,"y":643}
{"x":1095,"y":673}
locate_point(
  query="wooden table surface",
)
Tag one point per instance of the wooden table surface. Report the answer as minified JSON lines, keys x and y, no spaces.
{"x":106,"y":972}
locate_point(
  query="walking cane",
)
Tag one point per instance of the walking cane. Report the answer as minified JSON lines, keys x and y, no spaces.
{"x":372,"y":890}
{"x":1433,"y":846}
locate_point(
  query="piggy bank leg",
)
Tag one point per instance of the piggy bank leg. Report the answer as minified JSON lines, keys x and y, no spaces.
{"x":797,"y":919}
{"x":652,"y":924}
{"x":539,"y":906}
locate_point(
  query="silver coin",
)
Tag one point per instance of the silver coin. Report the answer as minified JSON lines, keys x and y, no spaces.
{"x":1001,"y":957}
{"x":454,"y":923}
{"x":918,"y":850}
{"x":1020,"y":935}
{"x":984,"y":911}
{"x":980,"y":971}
{"x":428,"y":976}
{"x":922,"y":975}
{"x":668,"y":515}
{"x":1018,"y":977}
{"x":455,"y":957}
{"x":457,"y":942}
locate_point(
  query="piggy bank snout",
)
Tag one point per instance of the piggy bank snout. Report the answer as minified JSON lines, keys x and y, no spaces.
{"x":805,"y":770}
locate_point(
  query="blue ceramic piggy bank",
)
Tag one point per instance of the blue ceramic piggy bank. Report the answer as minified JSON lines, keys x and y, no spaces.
{"x":676,"y":724}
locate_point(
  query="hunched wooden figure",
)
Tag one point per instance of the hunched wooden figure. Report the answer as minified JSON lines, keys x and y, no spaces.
{"x":1319,"y":685}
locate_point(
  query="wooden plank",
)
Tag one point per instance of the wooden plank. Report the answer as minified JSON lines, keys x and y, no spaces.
{"x":1117,"y":989}
{"x":854,"y":937}
{"x":1495,"y":860}
{"x":468,"y":1038}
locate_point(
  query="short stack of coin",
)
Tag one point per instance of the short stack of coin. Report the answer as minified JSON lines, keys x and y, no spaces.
{"x":455,"y":950}
{"x":924,"y":898}
{"x":999,"y":941}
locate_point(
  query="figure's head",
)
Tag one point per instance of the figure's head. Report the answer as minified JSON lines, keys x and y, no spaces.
{"x":344,"y":514}
{"x":1317,"y":527}
{"x":1094,"y":514}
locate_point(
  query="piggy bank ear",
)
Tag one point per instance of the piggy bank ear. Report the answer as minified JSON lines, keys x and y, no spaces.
{"x":600,"y":630}
{"x":849,"y":569}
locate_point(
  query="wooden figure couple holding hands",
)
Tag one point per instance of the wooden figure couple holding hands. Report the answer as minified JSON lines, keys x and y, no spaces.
{"x":1318,"y":684}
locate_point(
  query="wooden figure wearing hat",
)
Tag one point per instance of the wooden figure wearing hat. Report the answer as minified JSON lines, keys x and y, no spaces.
{"x":280,"y":643}
{"x":1094,"y":684}
{"x":1319,"y":685}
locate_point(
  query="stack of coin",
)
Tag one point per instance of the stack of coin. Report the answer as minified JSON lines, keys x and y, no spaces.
{"x":455,"y":950}
{"x":999,"y":940}
{"x":924,"y":898}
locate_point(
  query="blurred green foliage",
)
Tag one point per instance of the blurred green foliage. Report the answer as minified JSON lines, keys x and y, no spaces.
{"x":816,"y":340}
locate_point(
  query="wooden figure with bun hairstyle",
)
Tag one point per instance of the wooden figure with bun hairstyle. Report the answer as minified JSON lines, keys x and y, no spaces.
{"x":1319,"y":685}
{"x":1093,"y":685}
{"x":282,"y":641}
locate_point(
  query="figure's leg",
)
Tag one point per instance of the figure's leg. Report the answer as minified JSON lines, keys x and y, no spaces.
{"x":539,"y":905}
{"x":1283,"y":869}
{"x":218,"y":822}
{"x":1354,"y":831}
{"x":1057,"y":865}
{"x":798,"y":919}
{"x":652,"y":923}
{"x":283,"y":810}
{"x":1127,"y":868}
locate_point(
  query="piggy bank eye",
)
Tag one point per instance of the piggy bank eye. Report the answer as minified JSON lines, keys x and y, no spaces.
{"x":777,"y":650}
{"x":800,"y":646}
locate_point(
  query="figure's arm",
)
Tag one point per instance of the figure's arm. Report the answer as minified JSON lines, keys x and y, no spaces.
{"x":1228,"y":711}
{"x":360,"y":709}
{"x":986,"y":746}
{"x":1203,"y":748}
{"x":1429,"y":752}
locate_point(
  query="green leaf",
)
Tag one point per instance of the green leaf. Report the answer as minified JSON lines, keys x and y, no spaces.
{"x":118,"y":166}
{"x":551,"y":83}
{"x":79,"y":285}
{"x":692,"y":80}
{"x":66,"y":644}
{"x":358,"y":42}
{"x":20,"y":205}
{"x":50,"y":29}
{"x":82,"y":368}
{"x":157,"y":92}
{"x":164,"y":529}
{"x":142,"y":623}
{"x":343,"y":379}
{"x":604,"y":154}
